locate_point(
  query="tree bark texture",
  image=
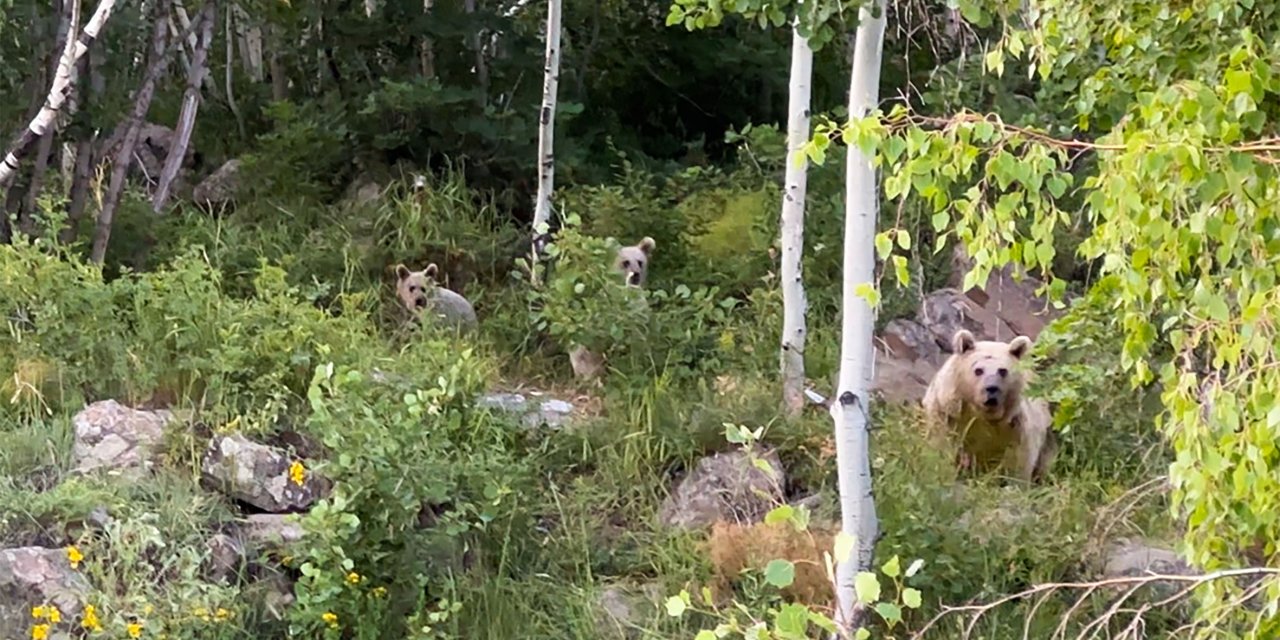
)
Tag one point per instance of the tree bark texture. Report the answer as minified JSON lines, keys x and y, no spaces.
{"x":851,"y":409}
{"x":190,"y":107}
{"x":476,"y":42}
{"x":57,"y":92}
{"x":68,"y":23}
{"x":794,"y":304}
{"x":157,"y":59}
{"x":546,"y":133}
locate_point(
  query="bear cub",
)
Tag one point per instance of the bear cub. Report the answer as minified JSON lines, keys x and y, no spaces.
{"x":422,"y":298}
{"x":977,"y":398}
{"x":633,"y":262}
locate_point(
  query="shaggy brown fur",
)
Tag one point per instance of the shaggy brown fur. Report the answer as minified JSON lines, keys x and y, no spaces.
{"x":735,"y":547}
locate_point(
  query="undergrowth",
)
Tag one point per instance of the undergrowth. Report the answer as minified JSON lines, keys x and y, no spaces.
{"x":449,"y":521}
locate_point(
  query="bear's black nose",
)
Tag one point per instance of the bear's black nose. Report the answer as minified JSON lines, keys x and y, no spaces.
{"x":420,"y":302}
{"x":992,"y":390}
{"x":633,"y":278}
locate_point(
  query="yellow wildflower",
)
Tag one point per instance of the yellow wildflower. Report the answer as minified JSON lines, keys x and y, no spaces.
{"x":330,"y":618}
{"x":40,"y":632}
{"x":90,"y":619}
{"x":379,"y":592}
{"x":147,"y":609}
{"x":74,"y":555}
{"x":38,"y":612}
{"x":53,"y":614}
{"x":297,"y":473}
{"x":353,"y":578}
{"x":222,"y":614}
{"x":202,"y":613}
{"x":134,"y":629}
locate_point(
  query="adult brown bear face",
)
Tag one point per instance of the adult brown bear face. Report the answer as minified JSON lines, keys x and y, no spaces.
{"x":993,"y":377}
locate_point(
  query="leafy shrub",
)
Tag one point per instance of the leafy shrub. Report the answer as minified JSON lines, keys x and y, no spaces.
{"x":303,"y":156}
{"x":584,"y":302}
{"x":1103,"y":431}
{"x":405,"y":448}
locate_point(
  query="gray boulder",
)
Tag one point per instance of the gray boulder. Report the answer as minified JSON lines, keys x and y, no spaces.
{"x":36,"y":576}
{"x":220,"y":187}
{"x":725,"y":486}
{"x":117,"y":439}
{"x":258,"y":475}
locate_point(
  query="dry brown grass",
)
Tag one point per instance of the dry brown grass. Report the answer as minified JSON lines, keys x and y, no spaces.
{"x":734,"y":548}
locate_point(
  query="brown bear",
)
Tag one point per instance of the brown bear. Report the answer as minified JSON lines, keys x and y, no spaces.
{"x":633,"y":262}
{"x":421,"y":297}
{"x":977,"y":398}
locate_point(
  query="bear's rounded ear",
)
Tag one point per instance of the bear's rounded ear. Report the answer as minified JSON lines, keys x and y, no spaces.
{"x":647,"y":245}
{"x":962,"y":342}
{"x":1019,"y":347}
{"x":402,"y":272}
{"x":431,"y":270}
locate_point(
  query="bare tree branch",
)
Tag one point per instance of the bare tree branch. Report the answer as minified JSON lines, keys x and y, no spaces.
{"x":1131,"y":585}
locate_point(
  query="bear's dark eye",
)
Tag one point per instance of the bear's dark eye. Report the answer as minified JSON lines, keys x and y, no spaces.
{"x":1004,"y":372}
{"x":626,"y":264}
{"x":640,"y":265}
{"x":977,"y":372}
{"x":413,"y":288}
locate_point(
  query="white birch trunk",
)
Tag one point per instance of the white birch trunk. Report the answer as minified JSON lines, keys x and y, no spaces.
{"x":794,"y":304}
{"x":60,"y":87}
{"x":546,"y":132}
{"x":851,"y":409}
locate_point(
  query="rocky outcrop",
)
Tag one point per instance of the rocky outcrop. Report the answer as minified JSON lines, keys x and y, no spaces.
{"x":725,"y":486}
{"x":116,"y":439}
{"x":258,"y":475}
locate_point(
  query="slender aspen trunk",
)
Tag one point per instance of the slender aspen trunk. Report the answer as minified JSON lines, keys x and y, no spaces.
{"x":546,"y":135}
{"x":190,"y":106}
{"x":68,"y":24}
{"x":851,"y":409}
{"x":476,"y":42}
{"x":229,"y":74}
{"x":156,"y":62}
{"x":57,"y":92}
{"x":427,"y":48}
{"x":89,"y":70}
{"x":279,"y":77}
{"x":794,"y":304}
